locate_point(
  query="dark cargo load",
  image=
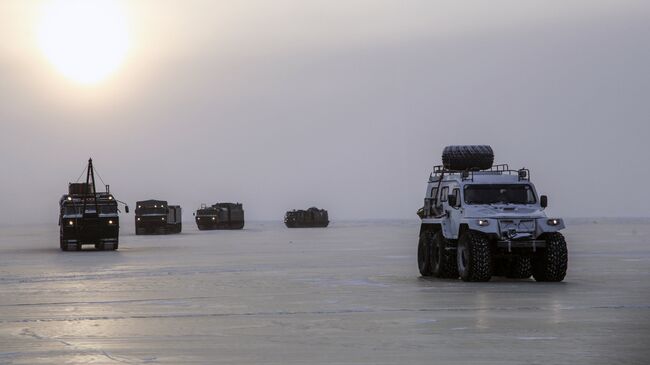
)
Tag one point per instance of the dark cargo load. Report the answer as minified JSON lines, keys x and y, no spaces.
{"x":157,"y":217}
{"x":220,"y":216}
{"x":80,"y":188}
{"x":310,"y":218}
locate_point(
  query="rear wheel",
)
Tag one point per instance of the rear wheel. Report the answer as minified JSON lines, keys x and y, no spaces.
{"x":443,"y":258}
{"x":550,"y":264}
{"x":520,"y":268}
{"x":424,"y":254}
{"x":473,"y":257}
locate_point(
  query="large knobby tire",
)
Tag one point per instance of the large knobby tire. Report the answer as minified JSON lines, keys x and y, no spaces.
{"x":443,"y":258}
{"x":520,"y":268}
{"x":480,"y":157}
{"x":473,"y":257}
{"x":550,"y":263}
{"x":424,"y":254}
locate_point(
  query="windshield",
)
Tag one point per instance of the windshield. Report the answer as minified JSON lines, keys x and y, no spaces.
{"x":499,"y":194}
{"x":76,"y":209}
{"x":147,"y":211}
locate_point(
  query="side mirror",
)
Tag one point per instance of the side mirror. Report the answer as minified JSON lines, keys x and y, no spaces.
{"x":452,"y":200}
{"x":543,"y":201}
{"x":126,"y":208}
{"x":194,"y":214}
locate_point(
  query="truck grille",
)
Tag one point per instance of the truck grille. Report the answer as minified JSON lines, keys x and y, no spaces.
{"x":517,"y":225}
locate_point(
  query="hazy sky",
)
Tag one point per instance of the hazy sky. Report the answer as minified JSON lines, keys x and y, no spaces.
{"x":341,"y":104}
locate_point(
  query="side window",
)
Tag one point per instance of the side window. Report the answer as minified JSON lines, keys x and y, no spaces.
{"x":457,"y":194}
{"x":444,"y":193}
{"x":434,"y":191}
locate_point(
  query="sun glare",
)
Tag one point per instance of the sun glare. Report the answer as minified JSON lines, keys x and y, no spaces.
{"x":86,"y":40}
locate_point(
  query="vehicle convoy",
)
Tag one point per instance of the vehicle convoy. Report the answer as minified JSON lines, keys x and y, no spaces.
{"x":310,"y":218}
{"x":481,"y":220}
{"x":220,"y":216}
{"x":88,"y":217}
{"x":157,"y":217}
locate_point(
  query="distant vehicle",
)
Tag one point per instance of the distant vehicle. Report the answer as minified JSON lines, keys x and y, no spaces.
{"x":481,"y":220}
{"x":157,"y":217}
{"x":310,"y":218}
{"x":220,"y":216}
{"x":88,"y":217}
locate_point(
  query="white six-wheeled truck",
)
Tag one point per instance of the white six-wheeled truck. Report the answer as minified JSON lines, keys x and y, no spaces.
{"x":481,"y":220}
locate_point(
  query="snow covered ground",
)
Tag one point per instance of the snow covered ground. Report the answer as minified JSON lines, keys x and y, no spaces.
{"x":348,"y":294}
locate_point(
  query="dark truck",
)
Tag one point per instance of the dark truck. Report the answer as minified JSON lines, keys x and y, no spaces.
{"x":310,"y":218}
{"x":157,"y":217}
{"x":220,"y":216}
{"x":89,"y":217}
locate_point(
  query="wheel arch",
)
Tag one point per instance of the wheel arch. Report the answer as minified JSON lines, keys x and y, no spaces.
{"x":430,"y":228}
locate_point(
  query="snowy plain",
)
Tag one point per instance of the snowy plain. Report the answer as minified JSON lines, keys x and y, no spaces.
{"x":348,"y":294}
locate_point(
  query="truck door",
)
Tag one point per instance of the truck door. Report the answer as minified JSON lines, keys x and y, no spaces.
{"x":454,"y":212}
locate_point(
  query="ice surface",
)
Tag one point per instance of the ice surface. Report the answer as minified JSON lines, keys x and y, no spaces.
{"x":347,"y":294}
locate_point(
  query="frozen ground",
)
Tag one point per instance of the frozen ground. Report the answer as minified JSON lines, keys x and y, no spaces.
{"x":349,"y":294}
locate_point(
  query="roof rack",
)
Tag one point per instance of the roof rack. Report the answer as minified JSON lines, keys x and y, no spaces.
{"x":439,"y":171}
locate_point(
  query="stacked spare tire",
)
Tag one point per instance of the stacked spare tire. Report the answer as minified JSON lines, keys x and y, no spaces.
{"x":476,"y":157}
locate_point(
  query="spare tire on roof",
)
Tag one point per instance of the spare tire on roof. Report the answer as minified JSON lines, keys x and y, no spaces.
{"x":478,"y":157}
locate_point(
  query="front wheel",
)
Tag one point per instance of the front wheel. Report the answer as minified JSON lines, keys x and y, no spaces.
{"x":443,"y":258}
{"x":424,"y":255}
{"x":550,"y":264}
{"x":473,"y":257}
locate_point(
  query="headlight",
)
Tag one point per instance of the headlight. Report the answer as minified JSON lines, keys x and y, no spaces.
{"x":553,"y":222}
{"x":163,"y":218}
{"x":71,"y":223}
{"x":138,"y":219}
{"x":110,"y":222}
{"x":198,"y":218}
{"x":69,"y":198}
{"x":110,"y":197}
{"x":483,"y":222}
{"x":213,"y":218}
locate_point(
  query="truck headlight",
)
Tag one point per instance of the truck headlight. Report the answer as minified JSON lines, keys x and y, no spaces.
{"x":138,"y":219}
{"x":213,"y":218}
{"x":110,"y":222}
{"x":483,"y":222}
{"x":553,"y":222}
{"x":163,"y":218}
{"x":70,"y":223}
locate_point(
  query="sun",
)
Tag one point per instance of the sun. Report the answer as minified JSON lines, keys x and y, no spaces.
{"x":85,"y":40}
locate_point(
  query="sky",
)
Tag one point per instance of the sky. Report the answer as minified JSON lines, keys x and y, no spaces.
{"x":343,"y":105}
